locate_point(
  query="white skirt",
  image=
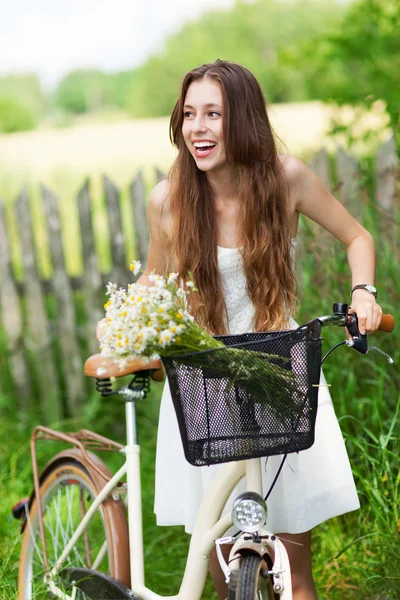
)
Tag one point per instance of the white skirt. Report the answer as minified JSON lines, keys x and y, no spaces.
{"x":313,"y":486}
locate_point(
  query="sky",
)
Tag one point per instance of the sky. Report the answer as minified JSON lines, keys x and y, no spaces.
{"x":53,"y":37}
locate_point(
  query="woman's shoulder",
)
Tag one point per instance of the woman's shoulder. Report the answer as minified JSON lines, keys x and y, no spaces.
{"x":300,"y":179}
{"x":159,"y":195}
{"x":293,"y":168}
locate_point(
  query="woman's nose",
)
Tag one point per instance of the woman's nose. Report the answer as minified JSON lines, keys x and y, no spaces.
{"x":199,"y":124}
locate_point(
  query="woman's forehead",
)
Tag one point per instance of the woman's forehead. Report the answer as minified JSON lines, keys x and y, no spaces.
{"x":203,"y":92}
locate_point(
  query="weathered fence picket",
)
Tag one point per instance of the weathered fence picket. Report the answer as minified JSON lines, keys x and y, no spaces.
{"x":387,"y":166}
{"x":137,"y":193}
{"x":12,"y":321}
{"x":41,"y":348}
{"x":37,"y":337}
{"x":66,"y":318}
{"x":319,"y":163}
{"x":349,"y":188}
{"x":119,"y":273}
{"x":92,"y":287}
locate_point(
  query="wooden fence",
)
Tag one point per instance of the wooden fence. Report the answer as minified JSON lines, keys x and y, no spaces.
{"x":47,"y":326}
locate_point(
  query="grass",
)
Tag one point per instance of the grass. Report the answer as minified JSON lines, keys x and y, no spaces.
{"x":354,"y":556}
{"x":165,"y":548}
{"x":357,"y":555}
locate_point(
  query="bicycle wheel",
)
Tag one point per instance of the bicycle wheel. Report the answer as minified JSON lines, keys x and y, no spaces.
{"x":254,"y":583}
{"x":66,"y":494}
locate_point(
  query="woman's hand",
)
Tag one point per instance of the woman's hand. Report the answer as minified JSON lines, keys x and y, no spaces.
{"x":100,"y":328}
{"x":368,"y":312}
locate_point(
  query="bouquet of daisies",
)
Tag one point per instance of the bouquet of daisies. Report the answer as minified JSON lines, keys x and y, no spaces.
{"x":151,"y":321}
{"x":154,"y":321}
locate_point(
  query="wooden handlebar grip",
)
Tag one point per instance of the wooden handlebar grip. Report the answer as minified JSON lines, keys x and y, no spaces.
{"x":387,"y":323}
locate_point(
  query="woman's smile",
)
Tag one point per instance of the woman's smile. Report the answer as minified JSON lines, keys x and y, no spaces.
{"x":203,"y":148}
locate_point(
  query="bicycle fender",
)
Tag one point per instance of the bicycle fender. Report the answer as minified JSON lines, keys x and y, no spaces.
{"x":276,"y":550}
{"x":75,"y":455}
{"x":253,"y":547}
{"x":113,"y":507}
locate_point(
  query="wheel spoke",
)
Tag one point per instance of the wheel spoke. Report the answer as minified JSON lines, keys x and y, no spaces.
{"x":65,"y":502}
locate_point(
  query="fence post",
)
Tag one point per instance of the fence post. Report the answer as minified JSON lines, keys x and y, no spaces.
{"x":92,"y":283}
{"x":160,"y":175}
{"x":387,"y":165}
{"x":349,"y":182}
{"x":12,"y":321}
{"x":38,"y":329}
{"x":137,"y":194}
{"x":319,"y":163}
{"x":66,"y":319}
{"x":119,"y":273}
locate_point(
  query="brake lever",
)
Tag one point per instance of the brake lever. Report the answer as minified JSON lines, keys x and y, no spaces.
{"x":379,"y":351}
{"x":359,"y":341}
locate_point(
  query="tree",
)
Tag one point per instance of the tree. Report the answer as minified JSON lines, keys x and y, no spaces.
{"x":24,"y":91}
{"x":14,"y":116}
{"x":82,"y":91}
{"x":360,"y":64}
{"x":251,"y":33}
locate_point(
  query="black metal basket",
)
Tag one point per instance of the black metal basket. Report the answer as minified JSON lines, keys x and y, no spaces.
{"x":228,"y":410}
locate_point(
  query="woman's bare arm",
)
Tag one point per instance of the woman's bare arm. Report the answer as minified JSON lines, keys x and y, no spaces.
{"x":310,"y":197}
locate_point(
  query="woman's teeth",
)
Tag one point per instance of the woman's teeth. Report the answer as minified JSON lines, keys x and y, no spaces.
{"x":203,"y":144}
{"x":204,"y":147}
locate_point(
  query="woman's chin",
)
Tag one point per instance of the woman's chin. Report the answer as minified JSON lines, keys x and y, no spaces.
{"x":208,"y":165}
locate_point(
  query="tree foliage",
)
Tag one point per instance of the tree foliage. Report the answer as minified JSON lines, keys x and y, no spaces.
{"x":14,"y":116}
{"x":253,"y":34}
{"x":360,"y":63}
{"x":83,"y":91}
{"x":22,"y":102}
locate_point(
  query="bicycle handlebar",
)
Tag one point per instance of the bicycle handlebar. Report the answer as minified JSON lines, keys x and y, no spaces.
{"x":387,"y":323}
{"x":341,"y":317}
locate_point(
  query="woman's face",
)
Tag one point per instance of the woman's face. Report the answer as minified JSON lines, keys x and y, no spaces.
{"x":202,"y":126}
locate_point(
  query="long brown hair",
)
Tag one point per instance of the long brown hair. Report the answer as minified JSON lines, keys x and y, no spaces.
{"x":262,"y":192}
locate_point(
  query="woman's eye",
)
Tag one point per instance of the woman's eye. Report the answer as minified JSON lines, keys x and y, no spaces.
{"x":187,"y":114}
{"x":214,"y":113}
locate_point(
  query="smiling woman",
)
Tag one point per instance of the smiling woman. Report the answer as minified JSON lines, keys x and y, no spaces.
{"x":226,"y":217}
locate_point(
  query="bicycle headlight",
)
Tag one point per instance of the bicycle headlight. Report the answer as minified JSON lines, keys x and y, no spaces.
{"x":249,"y":512}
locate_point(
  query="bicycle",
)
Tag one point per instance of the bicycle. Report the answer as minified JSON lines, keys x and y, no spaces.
{"x":76,"y":539}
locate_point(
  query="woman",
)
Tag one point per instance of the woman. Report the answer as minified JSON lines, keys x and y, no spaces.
{"x":228,"y":214}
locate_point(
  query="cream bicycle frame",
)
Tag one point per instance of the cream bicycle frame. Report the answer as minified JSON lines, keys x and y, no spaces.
{"x":209,"y":524}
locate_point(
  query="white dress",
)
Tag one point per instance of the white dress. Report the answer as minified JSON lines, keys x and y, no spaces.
{"x":314,"y":485}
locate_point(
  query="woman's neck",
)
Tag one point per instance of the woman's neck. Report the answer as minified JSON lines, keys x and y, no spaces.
{"x":223,"y":184}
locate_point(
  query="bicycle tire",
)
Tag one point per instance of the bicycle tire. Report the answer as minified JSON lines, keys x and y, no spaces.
{"x":65,"y":492}
{"x":252,"y":584}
